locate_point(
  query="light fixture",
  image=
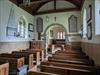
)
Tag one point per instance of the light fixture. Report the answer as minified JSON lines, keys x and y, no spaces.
{"x":55,"y":18}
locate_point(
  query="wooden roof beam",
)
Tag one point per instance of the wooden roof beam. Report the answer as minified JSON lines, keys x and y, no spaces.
{"x":56,"y":11}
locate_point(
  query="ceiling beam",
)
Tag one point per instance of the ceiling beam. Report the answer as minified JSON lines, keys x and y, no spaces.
{"x":35,"y":2}
{"x":82,"y":4}
{"x":55,"y":4}
{"x":56,"y":11}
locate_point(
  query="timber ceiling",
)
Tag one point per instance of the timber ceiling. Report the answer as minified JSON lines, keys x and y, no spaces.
{"x":37,"y":4}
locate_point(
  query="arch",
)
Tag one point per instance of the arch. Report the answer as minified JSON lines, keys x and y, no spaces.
{"x":54,"y":24}
{"x":46,"y":29}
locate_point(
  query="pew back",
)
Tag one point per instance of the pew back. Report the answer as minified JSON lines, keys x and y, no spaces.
{"x":39,"y":73}
{"x":64,"y":71}
{"x":71,"y":61}
{"x":28,"y":58}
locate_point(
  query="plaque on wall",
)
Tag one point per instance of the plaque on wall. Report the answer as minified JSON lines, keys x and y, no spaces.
{"x":39,"y":25}
{"x":11,"y":31}
{"x":30,"y":27}
{"x":72,"y":24}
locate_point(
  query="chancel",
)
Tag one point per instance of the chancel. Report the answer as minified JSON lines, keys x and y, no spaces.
{"x":49,"y":37}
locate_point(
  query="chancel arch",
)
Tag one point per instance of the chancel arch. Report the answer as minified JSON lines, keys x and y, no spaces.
{"x":53,"y":32}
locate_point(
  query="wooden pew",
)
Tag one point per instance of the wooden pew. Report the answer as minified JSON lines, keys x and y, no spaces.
{"x":72,"y":55}
{"x":16,"y":64}
{"x":41,"y":53}
{"x":4,"y":68}
{"x":65,"y":71}
{"x":70,"y":52}
{"x":66,"y":65}
{"x":71,"y":61}
{"x":69,"y":56}
{"x":28,"y":58}
{"x":39,"y":73}
{"x":36,"y":55}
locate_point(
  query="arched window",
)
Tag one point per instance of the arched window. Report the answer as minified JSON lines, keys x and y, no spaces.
{"x":84,"y":23}
{"x":21,"y":27}
{"x":61,"y":35}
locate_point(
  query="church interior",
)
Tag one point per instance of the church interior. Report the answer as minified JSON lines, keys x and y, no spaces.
{"x":49,"y":37}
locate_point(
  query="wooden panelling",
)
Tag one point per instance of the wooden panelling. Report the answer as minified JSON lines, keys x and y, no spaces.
{"x":6,"y":47}
{"x":76,"y":45}
{"x":93,"y":50}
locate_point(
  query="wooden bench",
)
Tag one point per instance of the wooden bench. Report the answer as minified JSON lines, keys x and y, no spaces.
{"x":65,"y":71}
{"x":70,"y":52}
{"x":39,"y":73}
{"x":66,"y":65}
{"x":41,"y":53}
{"x":69,"y":56}
{"x":28,"y":58}
{"x":4,"y":68}
{"x":71,"y":61}
{"x":36,"y":55}
{"x":16,"y":64}
{"x":72,"y":55}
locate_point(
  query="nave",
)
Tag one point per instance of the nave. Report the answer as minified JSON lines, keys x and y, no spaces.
{"x":49,"y":37}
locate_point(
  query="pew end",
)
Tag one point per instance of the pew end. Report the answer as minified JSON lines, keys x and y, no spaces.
{"x":4,"y":68}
